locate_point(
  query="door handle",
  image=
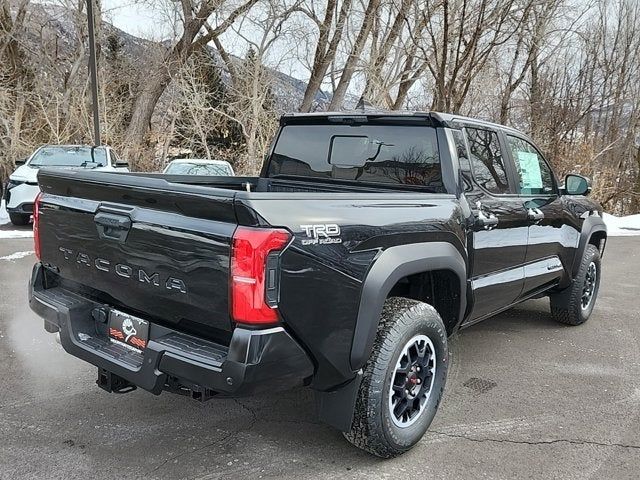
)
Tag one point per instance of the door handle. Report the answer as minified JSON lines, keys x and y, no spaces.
{"x":486,"y":221}
{"x":535,"y":214}
{"x":112,"y":226}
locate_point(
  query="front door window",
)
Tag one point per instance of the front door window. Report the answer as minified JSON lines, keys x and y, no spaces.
{"x":534,"y":175}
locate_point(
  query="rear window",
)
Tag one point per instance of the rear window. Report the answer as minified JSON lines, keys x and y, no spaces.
{"x":377,"y":154}
{"x":211,"y":169}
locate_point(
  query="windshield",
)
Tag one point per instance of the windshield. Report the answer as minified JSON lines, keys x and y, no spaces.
{"x":213,"y":169}
{"x":61,"y":156}
{"x":378,"y":154}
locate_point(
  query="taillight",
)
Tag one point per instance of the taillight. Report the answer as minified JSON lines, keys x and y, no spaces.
{"x":254,"y":273}
{"x":36,"y":225}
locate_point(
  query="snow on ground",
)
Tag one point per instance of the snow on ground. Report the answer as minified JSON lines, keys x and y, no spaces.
{"x":4,"y":233}
{"x":4,"y":216}
{"x":16,"y":256}
{"x":622,"y":226}
{"x":15,"y":234}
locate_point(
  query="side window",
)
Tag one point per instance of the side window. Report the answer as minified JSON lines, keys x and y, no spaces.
{"x":463,"y":158}
{"x":534,"y":174}
{"x":461,"y":150}
{"x":486,"y":160}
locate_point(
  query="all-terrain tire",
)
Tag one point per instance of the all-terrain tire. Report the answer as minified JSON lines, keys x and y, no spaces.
{"x":19,"y":219}
{"x":567,"y":306}
{"x":373,"y":429}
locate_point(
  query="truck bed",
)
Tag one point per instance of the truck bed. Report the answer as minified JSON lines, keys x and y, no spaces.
{"x":173,"y":267}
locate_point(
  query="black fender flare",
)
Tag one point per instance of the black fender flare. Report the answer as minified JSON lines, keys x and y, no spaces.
{"x":591,"y":225}
{"x":392,"y":265}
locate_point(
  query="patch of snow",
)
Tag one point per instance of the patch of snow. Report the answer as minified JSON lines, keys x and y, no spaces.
{"x":16,"y":234}
{"x":4,"y":216}
{"x":622,"y":226}
{"x":4,"y":219}
{"x":16,"y":255}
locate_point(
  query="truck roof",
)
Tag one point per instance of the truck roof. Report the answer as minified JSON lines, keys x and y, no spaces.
{"x":436,"y":118}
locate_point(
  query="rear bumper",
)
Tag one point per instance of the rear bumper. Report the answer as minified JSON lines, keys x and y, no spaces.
{"x":254,"y":360}
{"x":23,"y":209}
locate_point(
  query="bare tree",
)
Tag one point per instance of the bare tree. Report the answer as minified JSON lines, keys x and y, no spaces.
{"x":330,"y":30}
{"x":194,"y":17}
{"x":356,"y":51}
{"x":248,"y":107}
{"x":384,"y":37}
{"x":536,"y":19}
{"x":15,"y":79}
{"x":566,"y":75}
{"x":460,"y":38}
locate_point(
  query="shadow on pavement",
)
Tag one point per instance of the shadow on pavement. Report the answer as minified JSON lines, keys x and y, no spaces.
{"x":11,"y":227}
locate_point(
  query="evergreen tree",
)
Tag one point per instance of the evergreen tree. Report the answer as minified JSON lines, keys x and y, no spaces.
{"x":222,"y":134}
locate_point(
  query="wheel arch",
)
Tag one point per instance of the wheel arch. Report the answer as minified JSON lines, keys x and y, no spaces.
{"x":393,"y":266}
{"x":594,"y":232}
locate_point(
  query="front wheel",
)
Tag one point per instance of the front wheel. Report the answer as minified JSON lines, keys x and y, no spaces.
{"x":574,"y":305}
{"x":19,"y":219}
{"x":403,"y":380}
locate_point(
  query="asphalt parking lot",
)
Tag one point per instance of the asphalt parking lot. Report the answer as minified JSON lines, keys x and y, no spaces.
{"x":525,"y":398}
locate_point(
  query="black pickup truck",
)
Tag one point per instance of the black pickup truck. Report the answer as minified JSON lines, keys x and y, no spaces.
{"x":366,"y":241}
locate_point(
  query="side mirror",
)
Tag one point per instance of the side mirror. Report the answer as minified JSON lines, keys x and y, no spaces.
{"x":20,"y":162}
{"x":576,"y":185}
{"x":122,"y":163}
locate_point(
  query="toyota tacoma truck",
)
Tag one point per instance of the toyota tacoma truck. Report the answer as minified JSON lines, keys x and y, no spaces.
{"x":365,"y":242}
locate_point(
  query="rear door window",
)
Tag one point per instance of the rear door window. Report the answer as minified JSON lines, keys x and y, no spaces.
{"x":375,"y":154}
{"x":487,"y":161}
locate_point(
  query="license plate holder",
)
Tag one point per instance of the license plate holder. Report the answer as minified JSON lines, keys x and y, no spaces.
{"x":128,"y":329}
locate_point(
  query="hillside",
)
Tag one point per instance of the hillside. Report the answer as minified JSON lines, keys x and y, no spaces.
{"x":51,"y":28}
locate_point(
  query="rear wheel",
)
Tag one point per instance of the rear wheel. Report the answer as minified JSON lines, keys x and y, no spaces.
{"x":403,"y":380}
{"x":19,"y":219}
{"x":574,"y":305}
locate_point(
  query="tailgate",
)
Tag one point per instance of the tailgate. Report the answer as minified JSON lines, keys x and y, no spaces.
{"x":141,"y":244}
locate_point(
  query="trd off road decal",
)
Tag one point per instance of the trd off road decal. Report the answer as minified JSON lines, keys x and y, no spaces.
{"x":321,"y":234}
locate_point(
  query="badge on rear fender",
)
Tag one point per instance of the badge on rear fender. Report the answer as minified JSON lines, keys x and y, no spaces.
{"x":321,"y":233}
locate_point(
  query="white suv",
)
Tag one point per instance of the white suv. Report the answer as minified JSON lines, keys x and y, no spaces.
{"x":22,"y":188}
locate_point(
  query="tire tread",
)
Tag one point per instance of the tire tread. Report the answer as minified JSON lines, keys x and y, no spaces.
{"x":567,"y":308}
{"x":19,"y":219}
{"x":398,"y":315}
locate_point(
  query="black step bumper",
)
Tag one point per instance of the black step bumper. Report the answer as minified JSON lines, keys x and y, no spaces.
{"x":255,"y":360}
